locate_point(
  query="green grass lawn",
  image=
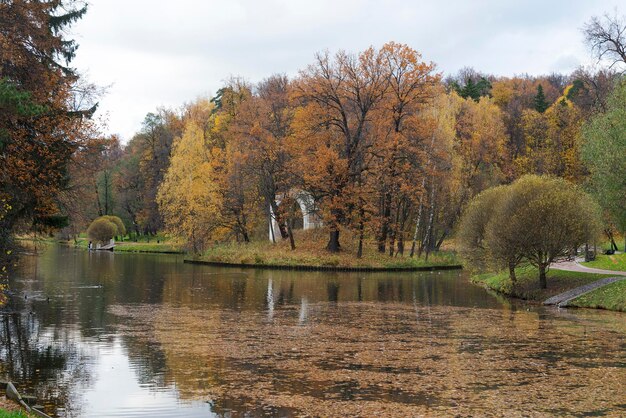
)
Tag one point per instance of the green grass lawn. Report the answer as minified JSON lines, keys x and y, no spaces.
{"x":145,"y":247}
{"x":608,"y":262}
{"x":527,"y":286}
{"x":13,"y":414}
{"x":310,"y":251}
{"x":164,"y":245}
{"x":611,"y":297}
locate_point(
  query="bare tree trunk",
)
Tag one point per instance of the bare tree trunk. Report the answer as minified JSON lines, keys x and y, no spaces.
{"x":98,"y":199}
{"x":246,"y":237}
{"x":394,"y":232}
{"x":243,"y":228}
{"x":609,"y":234}
{"x":400,"y":245}
{"x":279,"y":220}
{"x":429,"y":238}
{"x":272,"y":228}
{"x":542,"y":276}
{"x":426,"y":240}
{"x":292,"y":242}
{"x":384,"y":228}
{"x":419,"y":212}
{"x":359,"y":253}
{"x":512,"y":275}
{"x":106,"y":192}
{"x":417,"y":227}
{"x":440,"y":240}
{"x":333,"y":241}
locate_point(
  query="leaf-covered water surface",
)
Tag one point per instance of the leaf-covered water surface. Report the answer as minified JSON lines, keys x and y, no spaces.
{"x":373,"y":359}
{"x":100,"y":334}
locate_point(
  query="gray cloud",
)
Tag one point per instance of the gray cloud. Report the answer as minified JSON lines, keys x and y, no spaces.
{"x":157,"y":53}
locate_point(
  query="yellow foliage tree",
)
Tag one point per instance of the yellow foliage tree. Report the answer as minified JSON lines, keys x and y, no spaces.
{"x":189,"y":198}
{"x":552,"y":141}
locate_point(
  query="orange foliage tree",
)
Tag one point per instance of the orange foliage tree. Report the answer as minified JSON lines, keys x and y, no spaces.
{"x":356,"y":114}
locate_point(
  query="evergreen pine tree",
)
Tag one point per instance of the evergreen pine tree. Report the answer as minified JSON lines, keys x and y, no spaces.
{"x":470,"y":90}
{"x":484,"y":88}
{"x":540,"y":102}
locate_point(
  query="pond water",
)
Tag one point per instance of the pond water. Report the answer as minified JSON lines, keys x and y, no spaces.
{"x":103,"y":334}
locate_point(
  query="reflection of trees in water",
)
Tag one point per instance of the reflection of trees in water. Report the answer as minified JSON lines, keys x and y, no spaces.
{"x":43,"y":360}
{"x":147,"y":360}
{"x":50,"y":345}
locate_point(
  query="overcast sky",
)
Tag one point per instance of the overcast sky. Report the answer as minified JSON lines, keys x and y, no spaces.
{"x":163,"y":53}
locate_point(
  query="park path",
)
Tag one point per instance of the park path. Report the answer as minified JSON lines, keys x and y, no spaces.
{"x":576,"y":266}
{"x":561,"y":300}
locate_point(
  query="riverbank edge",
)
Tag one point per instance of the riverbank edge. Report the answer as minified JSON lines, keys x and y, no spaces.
{"x":119,"y":249}
{"x":301,"y":267}
{"x":140,"y":251}
{"x":481,"y":280}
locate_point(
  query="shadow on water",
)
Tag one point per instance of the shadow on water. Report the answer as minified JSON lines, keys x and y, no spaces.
{"x":92,"y":333}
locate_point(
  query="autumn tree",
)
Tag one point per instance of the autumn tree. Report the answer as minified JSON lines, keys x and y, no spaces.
{"x":40,"y":122}
{"x":129,"y":186}
{"x":261,"y":130}
{"x":592,"y":90}
{"x":515,"y":96}
{"x":544,"y":219}
{"x":120,"y":228}
{"x":78,"y":199}
{"x":188,"y":196}
{"x":205,"y":194}
{"x":238,"y":191}
{"x":354,"y":109}
{"x":552,"y":140}
{"x":402,"y":144}
{"x":338,"y":95}
{"x":154,"y":150}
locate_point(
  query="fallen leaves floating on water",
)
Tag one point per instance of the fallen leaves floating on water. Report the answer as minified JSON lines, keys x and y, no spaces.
{"x":386,"y":359}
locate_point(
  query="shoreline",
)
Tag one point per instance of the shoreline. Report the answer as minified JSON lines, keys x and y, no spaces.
{"x":135,"y":247}
{"x":559,"y":282}
{"x":303,"y":267}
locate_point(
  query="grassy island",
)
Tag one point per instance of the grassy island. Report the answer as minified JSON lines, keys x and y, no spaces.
{"x":310,"y":252}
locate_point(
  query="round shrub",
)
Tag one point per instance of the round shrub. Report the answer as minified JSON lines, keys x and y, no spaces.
{"x":121,"y":229}
{"x":101,"y":230}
